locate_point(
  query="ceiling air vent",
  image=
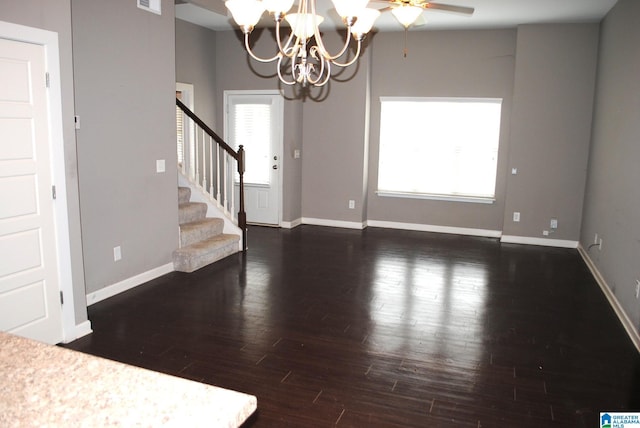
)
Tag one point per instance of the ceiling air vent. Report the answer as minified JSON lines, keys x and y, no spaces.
{"x":150,"y":5}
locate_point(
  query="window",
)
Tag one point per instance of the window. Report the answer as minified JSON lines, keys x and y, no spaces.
{"x":251,"y":122}
{"x":440,"y":148}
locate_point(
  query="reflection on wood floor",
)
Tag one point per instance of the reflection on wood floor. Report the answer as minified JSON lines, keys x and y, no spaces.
{"x":384,"y":328}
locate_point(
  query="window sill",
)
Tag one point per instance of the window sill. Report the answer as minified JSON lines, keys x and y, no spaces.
{"x":470,"y":199}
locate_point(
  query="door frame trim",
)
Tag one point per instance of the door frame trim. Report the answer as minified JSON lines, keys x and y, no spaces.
{"x":49,"y":40}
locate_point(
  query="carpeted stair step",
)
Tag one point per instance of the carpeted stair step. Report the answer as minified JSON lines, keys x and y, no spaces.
{"x":191,"y":211}
{"x":184,"y":195}
{"x":200,"y":230}
{"x":200,"y":254}
{"x":201,"y":239}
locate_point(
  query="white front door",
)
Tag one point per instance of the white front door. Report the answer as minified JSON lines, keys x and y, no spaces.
{"x":29,"y":289}
{"x":254,"y":120}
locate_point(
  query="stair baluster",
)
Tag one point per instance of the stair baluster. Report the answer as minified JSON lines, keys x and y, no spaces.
{"x":206,"y":138}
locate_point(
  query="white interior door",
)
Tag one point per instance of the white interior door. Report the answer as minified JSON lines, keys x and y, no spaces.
{"x":29,"y":289}
{"x":255,"y":120}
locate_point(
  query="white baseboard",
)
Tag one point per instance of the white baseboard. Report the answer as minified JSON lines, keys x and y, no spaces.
{"x":334,"y":223}
{"x":127,"y":284}
{"x":78,"y":331}
{"x":509,"y":239}
{"x":434,"y":228}
{"x":291,"y":224}
{"x":634,"y":335}
{"x":545,"y":242}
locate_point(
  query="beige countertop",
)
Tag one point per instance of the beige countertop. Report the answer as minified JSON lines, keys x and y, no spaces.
{"x":43,"y":385}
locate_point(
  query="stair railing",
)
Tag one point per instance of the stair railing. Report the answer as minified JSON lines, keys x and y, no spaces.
{"x":209,"y":168}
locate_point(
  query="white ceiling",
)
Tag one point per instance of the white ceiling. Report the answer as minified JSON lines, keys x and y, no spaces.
{"x":488,"y":14}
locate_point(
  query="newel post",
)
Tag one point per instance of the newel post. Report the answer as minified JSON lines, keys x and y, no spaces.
{"x":242,"y":215}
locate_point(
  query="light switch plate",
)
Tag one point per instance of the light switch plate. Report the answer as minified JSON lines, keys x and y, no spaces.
{"x":117,"y":253}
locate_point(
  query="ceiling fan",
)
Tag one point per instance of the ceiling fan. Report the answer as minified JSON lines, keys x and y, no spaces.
{"x":409,"y":12}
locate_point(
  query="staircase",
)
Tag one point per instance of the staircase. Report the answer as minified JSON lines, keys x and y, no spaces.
{"x":201,"y":239}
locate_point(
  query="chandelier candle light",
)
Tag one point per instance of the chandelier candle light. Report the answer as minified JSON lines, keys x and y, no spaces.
{"x":310,"y":64}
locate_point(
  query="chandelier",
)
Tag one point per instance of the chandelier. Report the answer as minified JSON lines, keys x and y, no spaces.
{"x":308,"y":63}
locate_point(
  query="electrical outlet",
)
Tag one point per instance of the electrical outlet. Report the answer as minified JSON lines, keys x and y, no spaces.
{"x":637,"y":288}
{"x":160,"y":165}
{"x":554,"y":223}
{"x":595,"y":239}
{"x":352,"y":204}
{"x":117,"y":253}
{"x":545,"y":233}
{"x":600,"y":244}
{"x":516,"y":216}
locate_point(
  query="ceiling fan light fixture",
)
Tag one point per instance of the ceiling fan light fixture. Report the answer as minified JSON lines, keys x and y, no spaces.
{"x":406,"y":14}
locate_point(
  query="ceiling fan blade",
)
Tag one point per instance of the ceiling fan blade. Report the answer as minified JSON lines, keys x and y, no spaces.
{"x":449,"y":8}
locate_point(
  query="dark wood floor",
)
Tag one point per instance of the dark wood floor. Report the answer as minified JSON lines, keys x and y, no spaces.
{"x":384,"y":328}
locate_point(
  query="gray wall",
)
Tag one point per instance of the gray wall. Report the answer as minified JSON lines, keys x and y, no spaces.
{"x":292,"y":173}
{"x":333,"y":165}
{"x":56,"y":16}
{"x":612,"y":202}
{"x":124,"y":64}
{"x":331,"y":170}
{"x":549,"y":70}
{"x":196,"y":64}
{"x":200,"y":62}
{"x":550,"y":128}
{"x":442,"y":64}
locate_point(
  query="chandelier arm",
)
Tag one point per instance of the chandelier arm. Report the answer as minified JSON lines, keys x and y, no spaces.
{"x":282,"y":78}
{"x":294,"y":66}
{"x":323,"y":49}
{"x":352,"y":60}
{"x":316,"y":32}
{"x":283,"y":49}
{"x":254,"y":56}
{"x":294,"y":53}
{"x":327,"y":75}
{"x":316,"y":54}
{"x":326,"y":79}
